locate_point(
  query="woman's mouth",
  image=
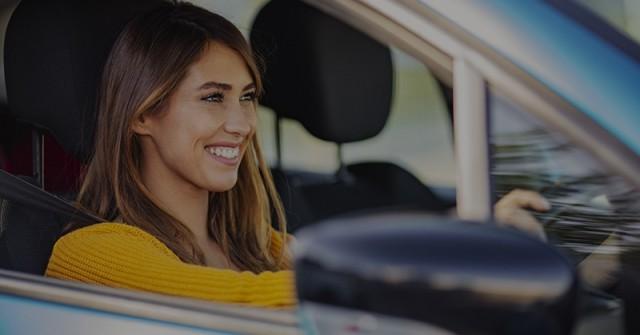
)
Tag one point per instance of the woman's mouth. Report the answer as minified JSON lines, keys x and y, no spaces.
{"x":224,"y":154}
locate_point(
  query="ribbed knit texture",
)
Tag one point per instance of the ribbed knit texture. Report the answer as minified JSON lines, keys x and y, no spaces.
{"x":119,"y":255}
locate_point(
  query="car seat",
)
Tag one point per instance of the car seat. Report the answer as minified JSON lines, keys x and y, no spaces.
{"x":338,"y":83}
{"x":5,"y":118}
{"x":4,"y":123}
{"x":54,"y":52}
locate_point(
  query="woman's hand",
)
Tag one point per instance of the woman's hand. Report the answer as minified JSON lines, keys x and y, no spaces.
{"x":511,"y":210}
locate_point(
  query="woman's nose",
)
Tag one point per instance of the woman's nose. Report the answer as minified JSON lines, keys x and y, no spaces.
{"x":239,"y":122}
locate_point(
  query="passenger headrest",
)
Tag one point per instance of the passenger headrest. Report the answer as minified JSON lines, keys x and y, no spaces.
{"x":54,"y":54}
{"x":333,"y":79}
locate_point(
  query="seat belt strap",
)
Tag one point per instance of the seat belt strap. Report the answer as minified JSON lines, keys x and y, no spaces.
{"x":20,"y":191}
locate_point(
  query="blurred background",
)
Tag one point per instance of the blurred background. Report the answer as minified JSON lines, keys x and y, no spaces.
{"x":418,"y":135}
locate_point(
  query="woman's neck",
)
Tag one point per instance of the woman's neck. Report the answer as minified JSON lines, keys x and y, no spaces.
{"x":181,"y":199}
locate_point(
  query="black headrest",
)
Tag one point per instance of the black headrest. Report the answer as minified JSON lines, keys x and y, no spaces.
{"x":6,"y":9}
{"x":333,"y":79}
{"x":54,"y":54}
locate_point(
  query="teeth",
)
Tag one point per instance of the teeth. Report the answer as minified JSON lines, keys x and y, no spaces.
{"x":229,"y":153}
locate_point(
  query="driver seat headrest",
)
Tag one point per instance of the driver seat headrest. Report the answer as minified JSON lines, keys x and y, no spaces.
{"x":333,"y":79}
{"x":54,"y":54}
{"x":6,"y":10}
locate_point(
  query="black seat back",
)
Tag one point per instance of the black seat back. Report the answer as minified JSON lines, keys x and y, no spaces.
{"x":365,"y":187}
{"x":338,"y":83}
{"x":27,"y":236}
{"x":61,"y":47}
{"x":54,"y":52}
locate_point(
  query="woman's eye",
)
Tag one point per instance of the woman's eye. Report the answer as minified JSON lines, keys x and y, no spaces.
{"x":250,"y":96}
{"x":215,"y":97}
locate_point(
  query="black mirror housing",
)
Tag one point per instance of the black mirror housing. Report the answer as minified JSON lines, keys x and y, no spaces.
{"x":464,"y":277}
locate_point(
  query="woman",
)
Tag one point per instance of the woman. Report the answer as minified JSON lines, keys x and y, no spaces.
{"x":177,"y":162}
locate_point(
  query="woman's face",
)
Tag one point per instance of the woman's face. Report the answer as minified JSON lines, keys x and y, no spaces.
{"x":202,"y":135}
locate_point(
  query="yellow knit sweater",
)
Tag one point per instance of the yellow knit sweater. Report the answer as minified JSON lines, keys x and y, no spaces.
{"x":119,"y":255}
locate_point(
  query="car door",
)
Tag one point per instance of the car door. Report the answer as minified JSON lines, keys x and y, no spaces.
{"x":556,"y":124}
{"x":478,"y":80}
{"x":34,"y":305}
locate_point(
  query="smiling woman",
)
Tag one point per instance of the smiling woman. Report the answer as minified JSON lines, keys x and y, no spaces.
{"x":177,"y":173}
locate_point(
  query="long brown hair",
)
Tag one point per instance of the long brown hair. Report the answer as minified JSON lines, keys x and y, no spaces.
{"x":148,"y":61}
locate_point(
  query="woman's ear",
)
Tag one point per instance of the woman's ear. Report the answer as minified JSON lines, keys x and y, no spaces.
{"x":141,"y":125}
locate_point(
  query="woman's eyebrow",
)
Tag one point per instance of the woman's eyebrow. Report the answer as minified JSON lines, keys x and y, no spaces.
{"x":223,"y":86}
{"x":213,"y":84}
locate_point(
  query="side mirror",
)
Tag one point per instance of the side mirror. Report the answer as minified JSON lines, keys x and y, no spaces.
{"x":419,"y":272}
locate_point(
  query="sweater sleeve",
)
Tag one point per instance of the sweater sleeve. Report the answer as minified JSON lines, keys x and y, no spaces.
{"x":118,"y":255}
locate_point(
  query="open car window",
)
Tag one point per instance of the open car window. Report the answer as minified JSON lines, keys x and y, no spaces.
{"x":420,"y":126}
{"x":595,"y":214}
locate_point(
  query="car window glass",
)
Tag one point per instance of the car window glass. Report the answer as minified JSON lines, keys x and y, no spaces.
{"x":595,"y":214}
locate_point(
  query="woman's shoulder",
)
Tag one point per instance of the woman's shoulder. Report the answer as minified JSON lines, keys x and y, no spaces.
{"x":111,"y":234}
{"x":109,"y":228}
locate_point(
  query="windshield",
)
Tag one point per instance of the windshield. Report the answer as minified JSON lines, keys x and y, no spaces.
{"x":624,"y":15}
{"x":617,"y":22}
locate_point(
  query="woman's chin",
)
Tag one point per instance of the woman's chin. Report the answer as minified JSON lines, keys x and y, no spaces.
{"x":222,"y":183}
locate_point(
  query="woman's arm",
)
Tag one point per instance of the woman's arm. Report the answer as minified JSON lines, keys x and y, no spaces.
{"x":122,"y":256}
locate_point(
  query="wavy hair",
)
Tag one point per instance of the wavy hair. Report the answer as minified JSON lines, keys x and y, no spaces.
{"x":146,"y":64}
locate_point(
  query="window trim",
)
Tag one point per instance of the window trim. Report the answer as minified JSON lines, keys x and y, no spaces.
{"x":471,"y":142}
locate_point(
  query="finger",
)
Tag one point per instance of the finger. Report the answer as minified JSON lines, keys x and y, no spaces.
{"x":528,"y":199}
{"x":525,"y":199}
{"x":522,"y":220}
{"x":517,"y":218}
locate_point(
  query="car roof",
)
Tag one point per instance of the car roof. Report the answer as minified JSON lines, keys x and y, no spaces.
{"x":598,"y":74}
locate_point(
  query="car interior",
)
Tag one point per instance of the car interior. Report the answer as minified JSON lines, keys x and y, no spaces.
{"x":52,"y":70}
{"x":51,"y":76}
